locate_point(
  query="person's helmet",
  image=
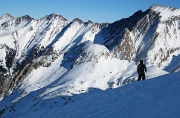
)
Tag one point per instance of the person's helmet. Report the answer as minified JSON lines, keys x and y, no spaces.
{"x":141,"y":61}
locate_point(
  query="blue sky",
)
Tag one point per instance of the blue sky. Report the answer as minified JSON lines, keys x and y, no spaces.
{"x":100,"y":11}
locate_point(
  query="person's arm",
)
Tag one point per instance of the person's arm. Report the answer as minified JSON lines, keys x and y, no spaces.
{"x":138,"y":69}
{"x":145,"y":68}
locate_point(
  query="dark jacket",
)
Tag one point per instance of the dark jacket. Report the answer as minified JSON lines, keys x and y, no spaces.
{"x":141,"y":68}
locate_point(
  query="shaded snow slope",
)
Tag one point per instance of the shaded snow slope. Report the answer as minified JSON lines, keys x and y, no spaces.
{"x":152,"y":98}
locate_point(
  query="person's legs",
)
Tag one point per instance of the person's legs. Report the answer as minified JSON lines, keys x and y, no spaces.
{"x":139,"y":77}
{"x":143,"y":76}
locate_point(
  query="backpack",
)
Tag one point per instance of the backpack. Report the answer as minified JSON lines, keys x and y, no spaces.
{"x":141,"y":68}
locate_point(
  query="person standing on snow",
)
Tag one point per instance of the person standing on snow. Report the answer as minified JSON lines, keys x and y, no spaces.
{"x":141,"y":69}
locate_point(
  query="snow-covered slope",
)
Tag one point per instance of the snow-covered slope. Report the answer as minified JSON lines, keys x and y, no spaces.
{"x":82,"y":71}
{"x":156,"y":97}
{"x":52,"y":63}
{"x":26,"y":43}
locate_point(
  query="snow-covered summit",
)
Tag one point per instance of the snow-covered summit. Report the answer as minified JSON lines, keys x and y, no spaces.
{"x":53,"y":16}
{"x":165,"y":11}
{"x":161,"y":7}
{"x":6,"y":16}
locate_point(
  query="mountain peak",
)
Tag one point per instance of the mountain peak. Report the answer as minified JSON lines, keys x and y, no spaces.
{"x":26,"y":17}
{"x":78,"y":20}
{"x":7,"y":15}
{"x":53,"y":15}
{"x":156,"y":5}
{"x":165,"y":12}
{"x":90,"y":22}
{"x":159,"y":8}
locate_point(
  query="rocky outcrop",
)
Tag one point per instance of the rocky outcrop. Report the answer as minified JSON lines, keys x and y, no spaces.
{"x":125,"y":49}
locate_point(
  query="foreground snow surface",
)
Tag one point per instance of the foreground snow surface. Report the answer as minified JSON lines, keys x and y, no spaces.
{"x":154,"y":98}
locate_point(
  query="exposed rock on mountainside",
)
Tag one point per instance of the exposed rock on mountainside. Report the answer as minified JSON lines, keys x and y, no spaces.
{"x":125,"y":50}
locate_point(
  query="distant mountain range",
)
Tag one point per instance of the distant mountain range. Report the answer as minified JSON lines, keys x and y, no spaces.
{"x":54,"y":56}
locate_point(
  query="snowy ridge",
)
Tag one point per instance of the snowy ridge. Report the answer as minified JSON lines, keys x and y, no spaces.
{"x":52,"y":30}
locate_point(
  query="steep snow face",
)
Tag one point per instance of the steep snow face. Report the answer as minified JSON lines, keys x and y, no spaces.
{"x":91,"y":34}
{"x":72,"y":36}
{"x":166,"y":47}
